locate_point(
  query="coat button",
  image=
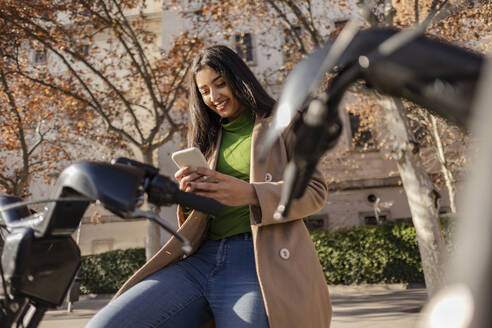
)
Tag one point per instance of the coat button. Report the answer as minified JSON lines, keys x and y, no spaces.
{"x":284,"y":253}
{"x":268,"y":177}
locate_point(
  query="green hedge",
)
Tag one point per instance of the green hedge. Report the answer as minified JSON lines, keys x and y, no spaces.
{"x":105,"y":273}
{"x":386,"y":253}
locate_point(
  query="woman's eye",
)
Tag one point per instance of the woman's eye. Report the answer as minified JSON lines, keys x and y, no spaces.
{"x":221,"y":84}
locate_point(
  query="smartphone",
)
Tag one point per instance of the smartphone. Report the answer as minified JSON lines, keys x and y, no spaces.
{"x":191,"y":157}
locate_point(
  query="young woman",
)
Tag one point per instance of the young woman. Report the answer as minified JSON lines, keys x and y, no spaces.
{"x":247,"y":269}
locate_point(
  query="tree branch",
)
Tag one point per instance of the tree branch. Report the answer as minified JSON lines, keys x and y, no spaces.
{"x":315,"y":37}
{"x":20,"y":132}
{"x":77,"y":56}
{"x":290,"y":27}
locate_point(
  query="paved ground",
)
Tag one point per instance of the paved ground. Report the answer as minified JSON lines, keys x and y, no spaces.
{"x":382,"y":306}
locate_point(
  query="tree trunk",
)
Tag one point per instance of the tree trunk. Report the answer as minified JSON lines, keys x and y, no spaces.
{"x":153,"y":240}
{"x":420,"y":192}
{"x":446,"y":172}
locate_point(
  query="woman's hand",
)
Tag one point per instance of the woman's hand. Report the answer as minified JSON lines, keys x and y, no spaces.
{"x":185,"y":175}
{"x":221,"y":187}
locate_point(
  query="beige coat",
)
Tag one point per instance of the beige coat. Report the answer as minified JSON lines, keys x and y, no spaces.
{"x":290,"y":275}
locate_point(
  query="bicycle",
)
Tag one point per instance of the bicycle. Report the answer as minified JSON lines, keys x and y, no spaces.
{"x":39,"y":257}
{"x":442,"y":78}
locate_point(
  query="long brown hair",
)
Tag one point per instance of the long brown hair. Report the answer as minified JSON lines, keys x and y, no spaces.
{"x":203,"y":123}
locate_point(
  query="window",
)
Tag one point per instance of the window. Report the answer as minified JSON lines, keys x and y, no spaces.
{"x":419,"y":126}
{"x":371,"y":218}
{"x":289,"y":43}
{"x":193,"y":6}
{"x":84,"y":50}
{"x":362,"y":137}
{"x":85,"y":12}
{"x":420,"y":133}
{"x":244,"y":46}
{"x":9,"y":61}
{"x":40,"y":56}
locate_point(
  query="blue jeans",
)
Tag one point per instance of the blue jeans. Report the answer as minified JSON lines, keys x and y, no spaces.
{"x":219,"y":281}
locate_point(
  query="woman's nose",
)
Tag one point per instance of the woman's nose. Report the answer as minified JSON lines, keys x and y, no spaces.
{"x":214,"y":95}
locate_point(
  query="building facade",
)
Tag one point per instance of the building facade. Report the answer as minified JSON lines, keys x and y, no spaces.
{"x":365,"y":187}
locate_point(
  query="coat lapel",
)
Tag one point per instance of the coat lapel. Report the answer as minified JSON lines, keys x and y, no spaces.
{"x":257,"y":170}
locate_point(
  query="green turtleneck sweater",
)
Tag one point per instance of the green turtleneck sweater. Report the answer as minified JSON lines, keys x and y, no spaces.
{"x":234,"y":160}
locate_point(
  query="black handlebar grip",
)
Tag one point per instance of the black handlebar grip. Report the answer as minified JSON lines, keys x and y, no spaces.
{"x":199,"y":203}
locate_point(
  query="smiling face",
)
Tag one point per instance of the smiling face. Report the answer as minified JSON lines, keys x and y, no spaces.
{"x":217,"y":94}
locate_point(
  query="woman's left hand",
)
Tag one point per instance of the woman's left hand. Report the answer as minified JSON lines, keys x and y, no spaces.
{"x":223,"y":188}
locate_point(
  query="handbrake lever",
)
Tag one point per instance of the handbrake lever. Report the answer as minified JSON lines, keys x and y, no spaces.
{"x":321,"y":124}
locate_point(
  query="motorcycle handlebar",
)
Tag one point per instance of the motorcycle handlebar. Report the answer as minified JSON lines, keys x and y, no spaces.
{"x":199,"y":203}
{"x":119,"y":187}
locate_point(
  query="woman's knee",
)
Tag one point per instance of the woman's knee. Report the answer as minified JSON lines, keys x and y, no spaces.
{"x":154,"y":300}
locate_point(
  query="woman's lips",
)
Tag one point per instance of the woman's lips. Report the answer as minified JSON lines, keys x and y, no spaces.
{"x":222,"y":105}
